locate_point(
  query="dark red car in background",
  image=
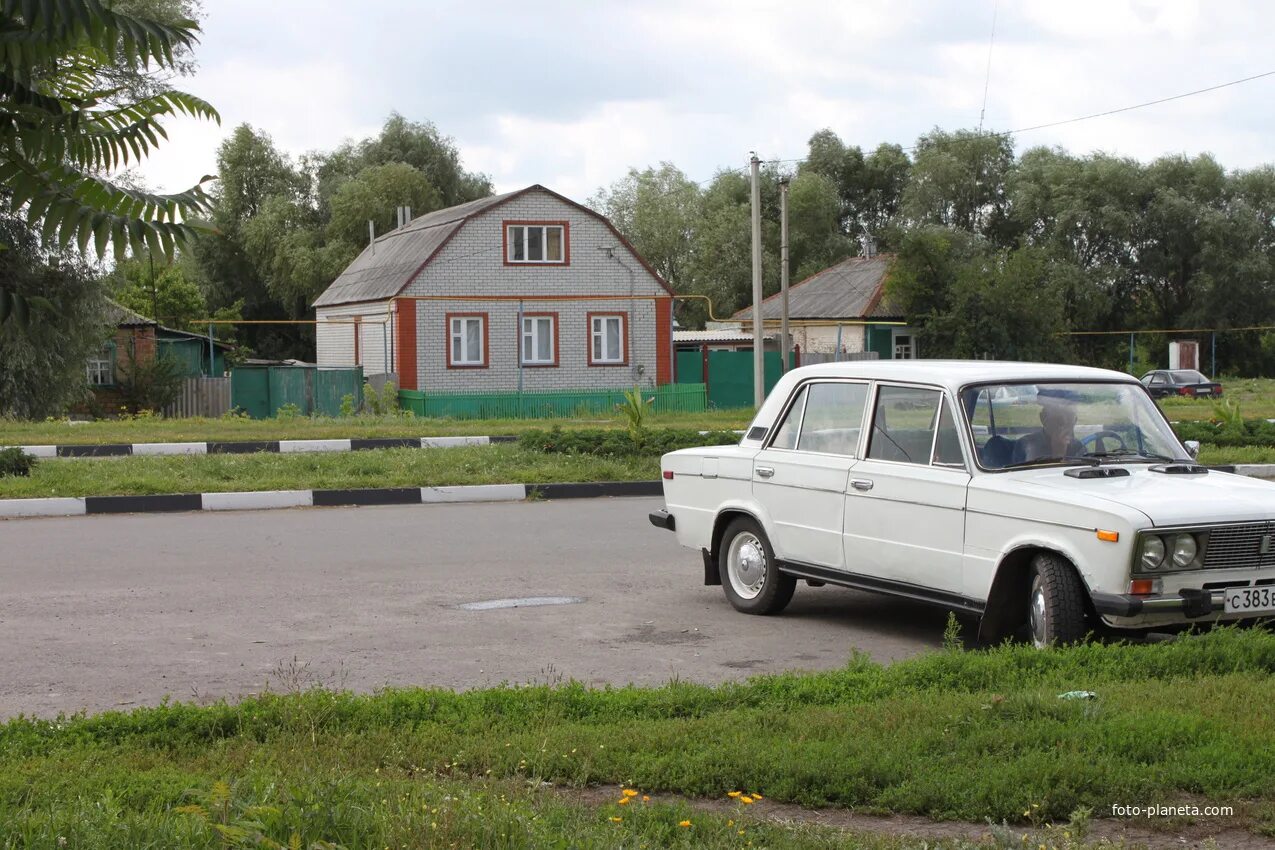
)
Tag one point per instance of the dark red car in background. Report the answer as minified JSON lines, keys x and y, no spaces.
{"x":1183,"y":382}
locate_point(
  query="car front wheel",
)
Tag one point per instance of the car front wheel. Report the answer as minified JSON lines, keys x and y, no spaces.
{"x":1056,"y":607}
{"x":751,"y":577}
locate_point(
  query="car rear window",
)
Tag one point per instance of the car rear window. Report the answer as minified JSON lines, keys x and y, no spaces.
{"x":1187,"y":376}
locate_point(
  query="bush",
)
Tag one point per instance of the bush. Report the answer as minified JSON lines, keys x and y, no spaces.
{"x":604,"y":442}
{"x":14,"y":461}
{"x":1251,"y":432}
{"x":150,"y":383}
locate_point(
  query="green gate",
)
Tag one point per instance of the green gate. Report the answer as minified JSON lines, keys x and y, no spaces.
{"x":730,"y":377}
{"x":261,"y":390}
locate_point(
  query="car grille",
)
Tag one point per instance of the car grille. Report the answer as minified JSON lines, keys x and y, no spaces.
{"x":1232,"y":546}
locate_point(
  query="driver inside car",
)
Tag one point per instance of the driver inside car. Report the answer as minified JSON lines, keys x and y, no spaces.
{"x":1056,"y":437}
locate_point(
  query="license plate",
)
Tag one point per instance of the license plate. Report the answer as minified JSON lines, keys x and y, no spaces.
{"x":1249,"y":599}
{"x":1202,"y":391}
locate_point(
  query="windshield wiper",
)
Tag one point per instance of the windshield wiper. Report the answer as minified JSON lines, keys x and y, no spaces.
{"x":1132,"y":453}
{"x":1070,"y":460}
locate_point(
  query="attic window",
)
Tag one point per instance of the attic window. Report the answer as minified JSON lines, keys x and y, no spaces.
{"x":536,"y":243}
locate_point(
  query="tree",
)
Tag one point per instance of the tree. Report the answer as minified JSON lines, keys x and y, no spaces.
{"x":959,"y":180}
{"x":374,"y":194}
{"x":657,"y":210}
{"x":59,"y":131}
{"x":42,"y":365}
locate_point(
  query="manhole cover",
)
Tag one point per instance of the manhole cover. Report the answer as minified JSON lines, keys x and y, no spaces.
{"x":524,"y":602}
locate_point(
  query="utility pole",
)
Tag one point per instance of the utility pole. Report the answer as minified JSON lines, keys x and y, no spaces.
{"x":783,"y":271}
{"x":759,"y":360}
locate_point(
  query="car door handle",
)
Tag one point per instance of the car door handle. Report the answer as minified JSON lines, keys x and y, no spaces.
{"x":861,"y":484}
{"x":765,"y":471}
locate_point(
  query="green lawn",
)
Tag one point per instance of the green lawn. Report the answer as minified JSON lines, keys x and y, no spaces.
{"x":495,"y":464}
{"x":970,"y":736}
{"x":159,"y":430}
{"x":1255,"y":396}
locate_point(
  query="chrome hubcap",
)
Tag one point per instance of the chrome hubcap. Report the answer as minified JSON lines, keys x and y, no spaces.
{"x":746,"y":565}
{"x":1038,"y":616}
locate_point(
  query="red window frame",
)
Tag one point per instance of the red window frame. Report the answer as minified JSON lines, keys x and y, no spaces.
{"x":447,"y":340}
{"x":566,"y":243}
{"x":624,"y":336}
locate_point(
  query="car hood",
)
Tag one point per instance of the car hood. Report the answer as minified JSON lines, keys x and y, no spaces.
{"x":1166,"y":499}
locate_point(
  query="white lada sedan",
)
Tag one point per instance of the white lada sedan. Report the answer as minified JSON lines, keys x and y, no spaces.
{"x":1036,"y":496}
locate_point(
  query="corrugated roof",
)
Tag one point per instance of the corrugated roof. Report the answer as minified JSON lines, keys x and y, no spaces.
{"x":122,"y":317}
{"x":716,"y":336}
{"x":852,"y":289}
{"x":386,"y":266}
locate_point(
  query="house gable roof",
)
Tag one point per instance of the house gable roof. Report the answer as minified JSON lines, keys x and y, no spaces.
{"x":852,"y":289}
{"x":393,"y":260}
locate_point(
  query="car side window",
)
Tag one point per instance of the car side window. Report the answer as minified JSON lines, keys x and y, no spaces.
{"x":947,"y":446}
{"x":833,"y":418}
{"x":903,"y":424}
{"x":1157,"y":378}
{"x":786,"y":436}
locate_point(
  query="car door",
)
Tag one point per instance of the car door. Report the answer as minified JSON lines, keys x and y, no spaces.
{"x":800,"y":475}
{"x":905,"y":503}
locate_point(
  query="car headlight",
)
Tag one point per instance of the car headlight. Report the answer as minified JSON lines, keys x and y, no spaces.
{"x":1184,"y":550}
{"x":1152,"y":552}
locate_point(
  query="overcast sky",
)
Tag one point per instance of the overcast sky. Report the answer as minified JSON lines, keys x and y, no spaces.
{"x":572,"y":93}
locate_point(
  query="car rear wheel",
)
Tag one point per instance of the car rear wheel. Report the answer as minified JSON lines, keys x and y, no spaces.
{"x":750,"y":575}
{"x":1056,"y":607}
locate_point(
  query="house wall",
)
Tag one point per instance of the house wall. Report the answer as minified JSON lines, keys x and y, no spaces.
{"x":473,"y":264}
{"x":822,"y":339}
{"x":334,"y":342}
{"x":137,"y":341}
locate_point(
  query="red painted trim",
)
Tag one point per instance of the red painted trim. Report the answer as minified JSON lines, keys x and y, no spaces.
{"x":556,"y":337}
{"x":447,"y":339}
{"x":405,"y":308}
{"x":566,"y":241}
{"x":624,"y":335}
{"x":358,"y":325}
{"x":663,"y":341}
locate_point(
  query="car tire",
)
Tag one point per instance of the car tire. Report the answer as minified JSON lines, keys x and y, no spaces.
{"x":750,"y":574}
{"x":1056,"y":612}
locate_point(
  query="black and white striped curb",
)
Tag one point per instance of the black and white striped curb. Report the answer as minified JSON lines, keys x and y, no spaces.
{"x":270,"y":499}
{"x":248,"y":447}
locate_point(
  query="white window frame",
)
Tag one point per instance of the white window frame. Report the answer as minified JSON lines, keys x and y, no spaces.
{"x":544,"y":229}
{"x":456,"y":331}
{"x":531,"y":333}
{"x":597,"y":333}
{"x":910,"y":345}
{"x":101,"y":364}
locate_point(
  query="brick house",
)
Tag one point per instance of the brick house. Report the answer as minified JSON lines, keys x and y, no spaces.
{"x":136,"y":338}
{"x":526,"y":290}
{"x":833,"y":312}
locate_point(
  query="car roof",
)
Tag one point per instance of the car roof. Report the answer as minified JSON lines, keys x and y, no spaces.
{"x":952,"y":374}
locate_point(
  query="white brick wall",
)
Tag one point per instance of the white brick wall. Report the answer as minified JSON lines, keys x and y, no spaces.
{"x":823,"y":338}
{"x":334,"y":343}
{"x":472,"y":263}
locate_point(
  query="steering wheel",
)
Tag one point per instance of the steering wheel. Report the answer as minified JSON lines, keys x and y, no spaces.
{"x":1095,"y":441}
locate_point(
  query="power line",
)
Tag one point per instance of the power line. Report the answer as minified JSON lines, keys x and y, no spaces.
{"x":987,"y":78}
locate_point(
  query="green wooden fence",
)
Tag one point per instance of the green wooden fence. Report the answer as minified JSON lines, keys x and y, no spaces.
{"x":685,"y":398}
{"x":730,"y":375}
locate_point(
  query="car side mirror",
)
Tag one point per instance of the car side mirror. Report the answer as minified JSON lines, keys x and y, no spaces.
{"x":1192,"y":448}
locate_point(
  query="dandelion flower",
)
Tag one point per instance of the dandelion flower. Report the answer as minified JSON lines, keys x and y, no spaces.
{"x":746,"y":800}
{"x":734,"y":794}
{"x":646,"y":799}
{"x":685,"y":823}
{"x":757,"y":796}
{"x":616,"y":820}
{"x":623,"y":801}
{"x":629,"y":792}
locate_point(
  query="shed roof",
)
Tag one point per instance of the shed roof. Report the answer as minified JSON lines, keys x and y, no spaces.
{"x":852,"y":289}
{"x":389,"y":264}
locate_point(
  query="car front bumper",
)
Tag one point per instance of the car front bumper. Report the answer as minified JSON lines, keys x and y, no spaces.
{"x":1188,"y":602}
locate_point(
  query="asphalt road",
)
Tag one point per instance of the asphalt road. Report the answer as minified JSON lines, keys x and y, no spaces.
{"x":110,"y":612}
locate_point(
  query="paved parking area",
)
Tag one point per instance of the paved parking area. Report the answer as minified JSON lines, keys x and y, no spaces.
{"x":120,"y":611}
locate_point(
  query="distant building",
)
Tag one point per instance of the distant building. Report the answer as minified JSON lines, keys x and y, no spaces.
{"x":527,"y":290}
{"x":831,"y":312}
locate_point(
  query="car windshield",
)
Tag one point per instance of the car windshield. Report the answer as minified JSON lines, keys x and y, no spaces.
{"x":1035,"y":424}
{"x":1188,"y":376}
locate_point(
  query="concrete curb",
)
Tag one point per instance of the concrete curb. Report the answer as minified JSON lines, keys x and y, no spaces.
{"x":248,"y":446}
{"x":272,"y":499}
